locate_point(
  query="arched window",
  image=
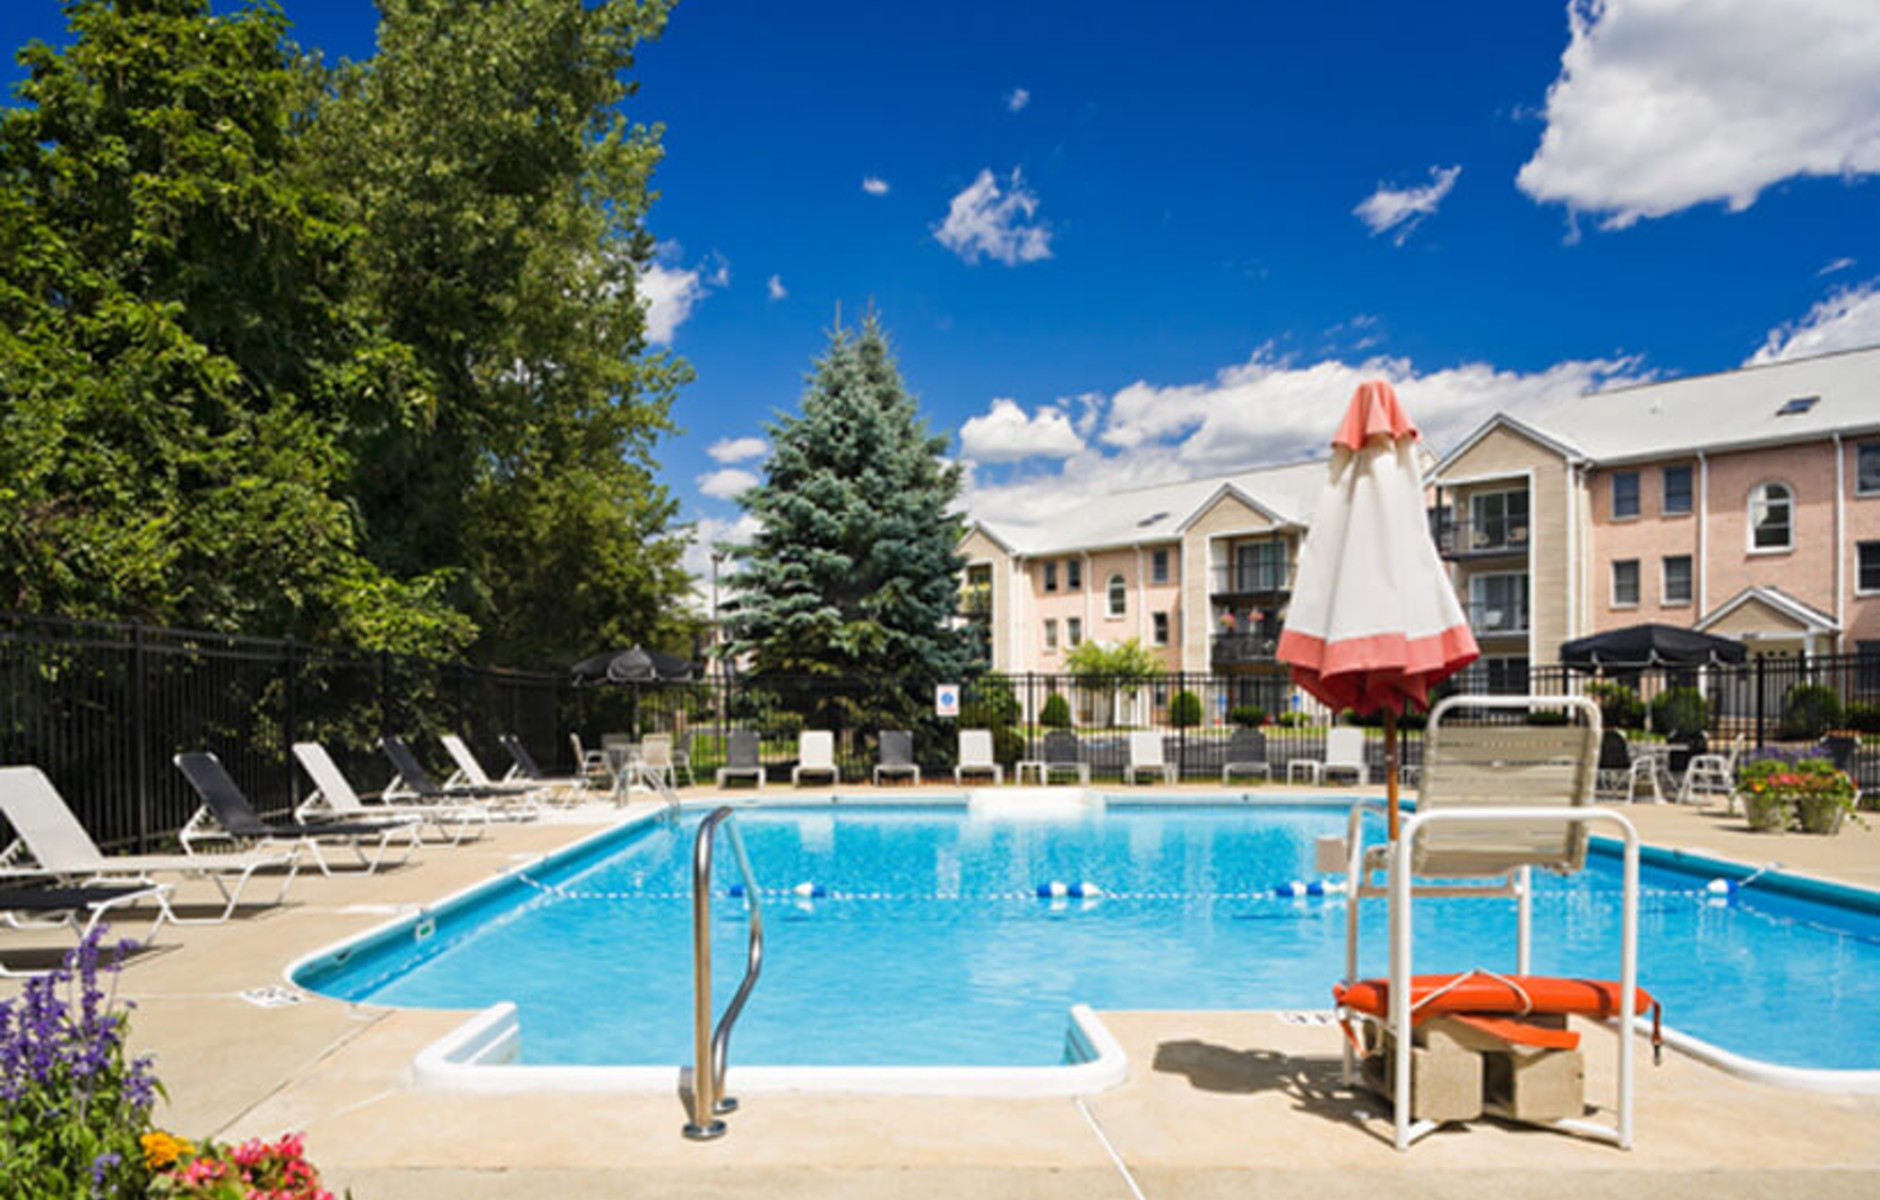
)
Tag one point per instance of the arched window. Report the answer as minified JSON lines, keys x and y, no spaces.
{"x":1772,"y":517}
{"x":1119,"y":595}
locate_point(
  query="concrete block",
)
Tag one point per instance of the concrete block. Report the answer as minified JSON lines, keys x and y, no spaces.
{"x":1535,"y":1085}
{"x":1445,"y":1081}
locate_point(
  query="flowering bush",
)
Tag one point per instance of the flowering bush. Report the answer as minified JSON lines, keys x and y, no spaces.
{"x":254,"y":1170}
{"x":1780,"y":788}
{"x":72,"y":1101}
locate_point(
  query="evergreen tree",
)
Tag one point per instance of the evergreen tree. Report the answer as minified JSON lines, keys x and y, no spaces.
{"x":853,"y":570}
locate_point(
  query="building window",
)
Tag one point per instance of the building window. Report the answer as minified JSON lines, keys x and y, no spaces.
{"x":1050,"y":577}
{"x":1118,"y":593}
{"x":1677,"y":579}
{"x":1499,"y":519}
{"x":1506,"y":675}
{"x":1160,"y":633}
{"x":1677,"y":491}
{"x":1158,"y":566}
{"x":1074,"y":631}
{"x":1625,"y":583}
{"x":1624,"y":494}
{"x":1073,"y":575}
{"x":1498,"y":604}
{"x":1771,"y":517}
{"x":1867,"y":575}
{"x":1050,"y":637}
{"x":1867,"y":469}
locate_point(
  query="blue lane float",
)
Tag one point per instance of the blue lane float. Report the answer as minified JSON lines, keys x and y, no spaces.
{"x":1059,"y":890}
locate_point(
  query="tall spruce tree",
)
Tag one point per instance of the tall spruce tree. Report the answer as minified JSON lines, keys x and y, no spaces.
{"x":854,"y":569}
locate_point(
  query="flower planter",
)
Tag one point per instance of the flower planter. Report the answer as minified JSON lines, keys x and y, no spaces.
{"x":1819,"y":814}
{"x":1765,"y":813}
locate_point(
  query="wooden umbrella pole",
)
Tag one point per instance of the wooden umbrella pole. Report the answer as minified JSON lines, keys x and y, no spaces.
{"x":1390,"y":767}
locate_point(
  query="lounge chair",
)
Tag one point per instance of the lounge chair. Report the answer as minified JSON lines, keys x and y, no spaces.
{"x":411,"y":783}
{"x":1344,"y":753}
{"x":815,"y":755}
{"x":977,"y":757}
{"x":333,"y":798}
{"x":1711,"y":773}
{"x":895,"y":756}
{"x":1620,"y":771}
{"x":743,"y":757}
{"x":653,"y":767}
{"x":1063,"y":751}
{"x":682,"y":759}
{"x":226,"y":816}
{"x":49,"y":840}
{"x":592,"y":764}
{"x":469,"y":776}
{"x":1246,"y":755}
{"x":524,"y":769}
{"x":1145,"y":756}
{"x":54,"y":906}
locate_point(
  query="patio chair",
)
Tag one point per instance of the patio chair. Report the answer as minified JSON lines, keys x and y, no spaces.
{"x":894,"y":755}
{"x":653,"y":767}
{"x":815,"y":755}
{"x":49,"y":840}
{"x":1619,"y":771}
{"x":58,"y":907}
{"x":1145,"y":755}
{"x":333,"y":798}
{"x":682,"y":759}
{"x":592,"y":764}
{"x":977,"y":757}
{"x":226,"y":816}
{"x":467,"y":774}
{"x":1246,"y":755}
{"x":523,"y":767}
{"x":1711,"y":773}
{"x":412,"y":784}
{"x":1064,"y":751}
{"x":743,"y":757}
{"x":1344,"y":752}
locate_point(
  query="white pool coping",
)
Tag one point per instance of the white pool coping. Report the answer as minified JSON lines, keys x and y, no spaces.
{"x":479,"y":1055}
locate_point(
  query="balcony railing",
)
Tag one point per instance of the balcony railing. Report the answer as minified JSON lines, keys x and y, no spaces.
{"x":1498,"y":620}
{"x":976,"y":602}
{"x":1466,"y":539}
{"x":1234,"y":649}
{"x":1251,"y":579}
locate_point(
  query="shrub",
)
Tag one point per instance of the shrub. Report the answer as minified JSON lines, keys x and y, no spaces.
{"x":1619,"y":706}
{"x":1547,"y":716}
{"x":1008,"y":745}
{"x":74,"y":1101}
{"x":1057,"y":712}
{"x":989,"y":701}
{"x":1862,"y":717}
{"x":1680,"y":710}
{"x":1291,"y":720}
{"x":1809,"y":710}
{"x":1247,"y":716}
{"x":1184,"y":708}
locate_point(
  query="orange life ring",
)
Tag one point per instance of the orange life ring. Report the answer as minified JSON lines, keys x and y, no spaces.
{"x":1487,"y":993}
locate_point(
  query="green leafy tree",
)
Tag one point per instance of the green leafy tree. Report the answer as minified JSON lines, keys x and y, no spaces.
{"x":1119,"y":669}
{"x":853,"y":569}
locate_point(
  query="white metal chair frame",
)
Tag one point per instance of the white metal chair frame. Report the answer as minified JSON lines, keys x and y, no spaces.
{"x":333,"y":796}
{"x":1344,"y":751}
{"x":815,"y":755}
{"x":978,"y":757}
{"x":1145,"y":754}
{"x":1712,"y":773}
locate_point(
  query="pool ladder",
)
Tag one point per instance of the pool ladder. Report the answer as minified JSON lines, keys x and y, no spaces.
{"x":708,"y":1101}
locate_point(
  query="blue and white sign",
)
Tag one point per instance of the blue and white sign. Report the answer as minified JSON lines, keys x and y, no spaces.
{"x":946,"y":700}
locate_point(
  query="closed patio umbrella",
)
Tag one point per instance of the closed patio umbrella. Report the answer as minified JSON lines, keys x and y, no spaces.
{"x":1374,"y":621}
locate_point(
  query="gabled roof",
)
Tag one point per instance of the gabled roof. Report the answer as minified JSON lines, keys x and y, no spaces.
{"x":1502,"y":420}
{"x":1807,"y":616}
{"x":973,"y":527}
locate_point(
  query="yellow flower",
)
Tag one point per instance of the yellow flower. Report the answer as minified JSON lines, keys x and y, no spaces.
{"x":161,"y":1149}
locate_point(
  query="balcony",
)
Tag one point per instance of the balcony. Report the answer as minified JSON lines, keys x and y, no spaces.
{"x":1486,"y":539}
{"x":1250,"y":579}
{"x":1498,"y":620}
{"x":976,"y":602}
{"x":1242,"y":649}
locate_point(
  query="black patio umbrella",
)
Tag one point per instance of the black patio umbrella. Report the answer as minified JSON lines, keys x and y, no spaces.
{"x":631,"y":666}
{"x":1637,"y":647}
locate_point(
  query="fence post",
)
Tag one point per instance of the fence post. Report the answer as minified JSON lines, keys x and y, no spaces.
{"x":1759,"y":700}
{"x":140,"y":731}
{"x":288,"y":734}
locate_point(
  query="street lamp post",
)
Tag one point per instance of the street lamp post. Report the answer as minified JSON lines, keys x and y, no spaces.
{"x":717,"y":662}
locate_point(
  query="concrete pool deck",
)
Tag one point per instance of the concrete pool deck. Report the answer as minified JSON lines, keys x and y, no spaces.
{"x":1216,"y":1103}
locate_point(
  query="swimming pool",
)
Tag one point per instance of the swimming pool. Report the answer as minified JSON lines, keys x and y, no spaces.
{"x":914,"y":936}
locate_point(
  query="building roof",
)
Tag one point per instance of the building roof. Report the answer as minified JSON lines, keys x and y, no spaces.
{"x":1727,"y":410}
{"x":1807,"y":616}
{"x":1157,"y":513}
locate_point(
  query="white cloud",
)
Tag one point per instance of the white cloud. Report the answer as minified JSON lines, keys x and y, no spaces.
{"x":1007,"y":434}
{"x":1839,"y":264}
{"x":726,"y":484}
{"x":985,"y":220}
{"x":875,"y":186}
{"x":707,"y":534}
{"x":1267,"y":410}
{"x":1846,"y":320}
{"x":1664,"y":104}
{"x":1403,"y":209}
{"x":775,"y":287}
{"x":1017,"y":99}
{"x":671,"y":291}
{"x":730,"y":450}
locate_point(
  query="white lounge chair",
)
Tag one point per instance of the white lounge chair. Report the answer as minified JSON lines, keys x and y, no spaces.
{"x":977,"y":757}
{"x":412,"y":785}
{"x":49,"y":840}
{"x":1344,"y":753}
{"x":333,"y":796}
{"x":653,"y":768}
{"x":468,"y":775}
{"x":815,"y":755}
{"x":1145,"y":755}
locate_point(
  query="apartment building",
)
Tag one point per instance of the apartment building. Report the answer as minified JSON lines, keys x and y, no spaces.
{"x":1744,"y":503}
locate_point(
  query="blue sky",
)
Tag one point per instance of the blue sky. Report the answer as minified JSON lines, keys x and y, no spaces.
{"x":1205,"y":222}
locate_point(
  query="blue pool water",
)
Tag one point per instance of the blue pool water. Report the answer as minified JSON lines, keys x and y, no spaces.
{"x":933,"y":949}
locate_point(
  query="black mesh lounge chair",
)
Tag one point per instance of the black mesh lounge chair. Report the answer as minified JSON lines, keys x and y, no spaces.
{"x":742,"y":755}
{"x":1064,"y":752}
{"x":1246,"y":755}
{"x":895,"y":756}
{"x":55,"y":906}
{"x":411,"y":782}
{"x":227,"y":816}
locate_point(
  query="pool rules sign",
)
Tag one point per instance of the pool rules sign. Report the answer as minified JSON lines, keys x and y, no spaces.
{"x":946,"y":700}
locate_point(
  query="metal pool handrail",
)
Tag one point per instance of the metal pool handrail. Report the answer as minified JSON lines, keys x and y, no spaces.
{"x":708,"y":1044}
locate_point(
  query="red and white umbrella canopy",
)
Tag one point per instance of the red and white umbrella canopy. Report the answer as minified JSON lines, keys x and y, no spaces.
{"x":1374,"y":620}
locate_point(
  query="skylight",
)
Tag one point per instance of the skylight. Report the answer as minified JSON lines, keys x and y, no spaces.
{"x":1148,"y":521}
{"x":1800,"y":404}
